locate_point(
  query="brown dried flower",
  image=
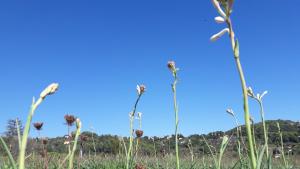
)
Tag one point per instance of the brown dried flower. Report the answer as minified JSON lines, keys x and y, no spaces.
{"x":171,"y":66}
{"x":140,"y":89}
{"x":38,"y":125}
{"x":70,"y":119}
{"x":139,"y":133}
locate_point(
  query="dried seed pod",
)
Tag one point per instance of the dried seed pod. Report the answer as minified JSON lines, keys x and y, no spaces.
{"x":38,"y":125}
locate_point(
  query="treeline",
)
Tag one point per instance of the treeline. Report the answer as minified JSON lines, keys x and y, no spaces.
{"x":110,"y":144}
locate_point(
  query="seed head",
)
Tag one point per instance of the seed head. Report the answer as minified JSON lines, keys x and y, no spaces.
{"x":139,"y":133}
{"x":140,"y":89}
{"x":70,"y":119}
{"x":38,"y":125}
{"x":172,"y":66}
{"x":51,"y":89}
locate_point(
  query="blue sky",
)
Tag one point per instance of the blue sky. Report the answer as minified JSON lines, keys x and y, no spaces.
{"x":98,"y":51}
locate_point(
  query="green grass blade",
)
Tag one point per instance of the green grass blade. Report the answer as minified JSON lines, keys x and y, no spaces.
{"x":11,"y":159}
{"x":260,"y":157}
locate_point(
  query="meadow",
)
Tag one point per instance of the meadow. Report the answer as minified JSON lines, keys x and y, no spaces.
{"x":239,"y":148}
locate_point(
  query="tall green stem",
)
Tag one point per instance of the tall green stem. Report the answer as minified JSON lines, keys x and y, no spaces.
{"x":235,"y":47}
{"x":129,"y":153}
{"x":176,"y":120}
{"x":262,"y":113}
{"x":26,"y":132}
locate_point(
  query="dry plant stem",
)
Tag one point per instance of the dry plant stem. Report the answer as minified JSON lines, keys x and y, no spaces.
{"x":245,"y":95}
{"x":26,"y":132}
{"x":176,"y":119}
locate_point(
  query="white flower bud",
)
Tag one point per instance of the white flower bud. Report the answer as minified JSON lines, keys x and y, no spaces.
{"x":218,"y":35}
{"x":51,"y":89}
{"x":219,"y":19}
{"x":218,"y":7}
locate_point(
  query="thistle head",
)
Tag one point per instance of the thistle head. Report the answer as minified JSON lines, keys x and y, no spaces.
{"x":139,"y":133}
{"x":38,"y":125}
{"x":70,"y":119}
{"x":51,"y":89}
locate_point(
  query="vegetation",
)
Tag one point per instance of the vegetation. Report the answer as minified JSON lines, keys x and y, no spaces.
{"x":246,"y":146}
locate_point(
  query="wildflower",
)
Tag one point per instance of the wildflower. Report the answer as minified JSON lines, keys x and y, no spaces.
{"x":230,"y":112}
{"x":70,"y":119}
{"x":38,"y":125}
{"x":140,"y":89}
{"x":139,"y":133}
{"x":51,"y":89}
{"x":219,"y":19}
{"x":220,"y":34}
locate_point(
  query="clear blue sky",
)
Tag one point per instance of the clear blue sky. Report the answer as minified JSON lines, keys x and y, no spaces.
{"x":98,"y":51}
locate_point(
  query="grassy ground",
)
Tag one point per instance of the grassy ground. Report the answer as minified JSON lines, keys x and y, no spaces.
{"x":119,"y":162}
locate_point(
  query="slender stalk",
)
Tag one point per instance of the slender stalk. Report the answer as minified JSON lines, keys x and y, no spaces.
{"x":176,"y":119}
{"x":282,"y":149}
{"x":129,"y":153}
{"x":235,"y":49}
{"x":262,"y":113}
{"x":26,"y":132}
{"x":71,"y":159}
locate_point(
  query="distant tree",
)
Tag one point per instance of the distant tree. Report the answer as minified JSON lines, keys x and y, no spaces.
{"x":11,"y":128}
{"x":12,"y":135}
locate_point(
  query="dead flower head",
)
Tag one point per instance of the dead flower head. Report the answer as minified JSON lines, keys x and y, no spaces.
{"x":38,"y":125}
{"x":140,"y":89}
{"x":70,"y":119}
{"x":139,"y":133}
